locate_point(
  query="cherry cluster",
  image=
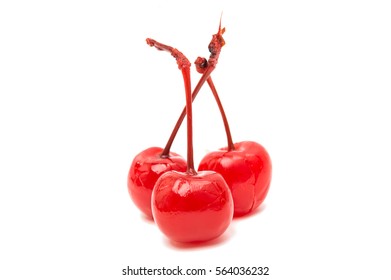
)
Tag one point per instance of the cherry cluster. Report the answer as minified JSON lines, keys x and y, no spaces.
{"x":189,"y":205}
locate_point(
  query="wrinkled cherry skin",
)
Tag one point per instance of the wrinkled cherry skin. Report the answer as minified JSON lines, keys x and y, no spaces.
{"x":247,"y":170}
{"x":145,"y":170}
{"x":192,"y":208}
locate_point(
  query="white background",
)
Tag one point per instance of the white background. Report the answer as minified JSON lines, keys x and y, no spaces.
{"x":81,"y":94}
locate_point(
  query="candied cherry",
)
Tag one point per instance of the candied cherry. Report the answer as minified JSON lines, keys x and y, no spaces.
{"x":246,"y":166}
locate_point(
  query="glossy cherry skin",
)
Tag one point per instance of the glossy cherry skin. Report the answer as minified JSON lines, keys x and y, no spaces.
{"x":145,"y":170}
{"x":247,"y":170}
{"x":192,"y":208}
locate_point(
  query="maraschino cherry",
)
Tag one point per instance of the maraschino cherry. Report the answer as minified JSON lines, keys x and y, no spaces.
{"x":246,"y":166}
{"x":191,"y":206}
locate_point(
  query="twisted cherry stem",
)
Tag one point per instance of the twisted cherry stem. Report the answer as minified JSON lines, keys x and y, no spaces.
{"x":181,"y":59}
{"x":214,"y":47}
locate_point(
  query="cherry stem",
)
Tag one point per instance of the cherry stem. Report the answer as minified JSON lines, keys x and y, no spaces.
{"x":184,"y":66}
{"x":203,"y":79}
{"x":189,"y":112}
{"x":215,"y":46}
{"x":230,"y":143}
{"x":181,"y":59}
{"x":201,"y":66}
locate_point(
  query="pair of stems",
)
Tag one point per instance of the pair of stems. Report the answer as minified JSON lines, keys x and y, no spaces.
{"x":205,"y":67}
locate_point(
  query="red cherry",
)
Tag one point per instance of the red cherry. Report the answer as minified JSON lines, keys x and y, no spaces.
{"x":145,"y":170}
{"x":247,"y":170}
{"x":245,"y":166}
{"x":191,"y":208}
